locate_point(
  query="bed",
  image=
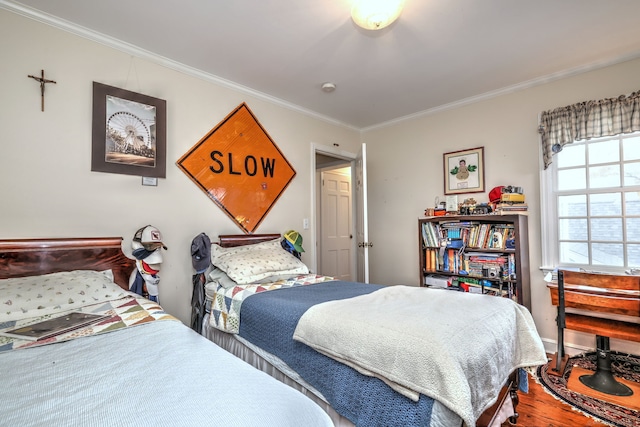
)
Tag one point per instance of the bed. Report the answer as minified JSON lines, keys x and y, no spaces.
{"x":354,"y":385}
{"x":138,"y":367}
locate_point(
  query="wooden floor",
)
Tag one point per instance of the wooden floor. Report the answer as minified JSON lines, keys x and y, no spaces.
{"x":540,"y":409}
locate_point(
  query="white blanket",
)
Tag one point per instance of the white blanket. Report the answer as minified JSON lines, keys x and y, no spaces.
{"x":157,"y":374}
{"x":457,"y":348}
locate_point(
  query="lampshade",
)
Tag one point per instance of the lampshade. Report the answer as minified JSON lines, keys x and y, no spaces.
{"x":376,"y":14}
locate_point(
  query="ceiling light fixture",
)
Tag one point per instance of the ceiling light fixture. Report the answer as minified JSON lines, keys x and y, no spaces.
{"x":328,"y":87}
{"x":376,"y":14}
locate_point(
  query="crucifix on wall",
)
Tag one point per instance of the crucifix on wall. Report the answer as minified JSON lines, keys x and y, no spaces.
{"x":42,"y":82}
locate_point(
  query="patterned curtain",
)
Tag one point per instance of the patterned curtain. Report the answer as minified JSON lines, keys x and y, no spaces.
{"x":586,"y":120}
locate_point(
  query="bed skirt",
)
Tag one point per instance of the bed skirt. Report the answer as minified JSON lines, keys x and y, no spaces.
{"x":240,"y":348}
{"x":274,"y":367}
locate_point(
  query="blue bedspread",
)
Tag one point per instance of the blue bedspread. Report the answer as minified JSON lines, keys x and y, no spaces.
{"x":269,"y":319}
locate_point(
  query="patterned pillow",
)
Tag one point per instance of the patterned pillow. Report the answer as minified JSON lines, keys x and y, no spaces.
{"x":257,"y":263}
{"x":32,"y":296}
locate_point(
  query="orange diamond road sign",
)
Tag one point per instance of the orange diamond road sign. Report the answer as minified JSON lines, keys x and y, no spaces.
{"x":239,"y":167}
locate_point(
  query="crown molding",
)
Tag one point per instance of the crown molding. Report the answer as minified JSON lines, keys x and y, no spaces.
{"x":177,"y":66}
{"x":138,"y":52}
{"x":508,"y":90}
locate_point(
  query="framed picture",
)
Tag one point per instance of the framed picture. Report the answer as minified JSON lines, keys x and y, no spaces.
{"x":464,"y":171}
{"x":129,"y":133}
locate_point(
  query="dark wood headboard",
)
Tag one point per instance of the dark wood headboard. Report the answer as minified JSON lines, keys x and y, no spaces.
{"x":30,"y":257}
{"x":231,"y":240}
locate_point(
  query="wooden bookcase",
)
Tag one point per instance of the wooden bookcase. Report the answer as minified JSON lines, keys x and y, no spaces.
{"x":477,"y":253}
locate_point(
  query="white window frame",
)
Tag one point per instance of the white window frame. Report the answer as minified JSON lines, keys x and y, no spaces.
{"x":549,"y":216}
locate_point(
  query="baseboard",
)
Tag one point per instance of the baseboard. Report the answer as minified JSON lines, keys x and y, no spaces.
{"x":551,"y":346}
{"x":572,"y":349}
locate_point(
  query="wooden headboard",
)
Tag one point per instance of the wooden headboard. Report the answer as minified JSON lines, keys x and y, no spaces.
{"x":231,"y":240}
{"x":30,"y":257}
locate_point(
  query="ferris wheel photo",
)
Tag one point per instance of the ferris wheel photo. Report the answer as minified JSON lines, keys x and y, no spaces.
{"x":129,"y":134}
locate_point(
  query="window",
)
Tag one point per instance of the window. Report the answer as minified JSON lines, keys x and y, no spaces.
{"x":592,"y":205}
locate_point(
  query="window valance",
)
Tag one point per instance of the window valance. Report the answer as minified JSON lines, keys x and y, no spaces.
{"x":586,"y":120}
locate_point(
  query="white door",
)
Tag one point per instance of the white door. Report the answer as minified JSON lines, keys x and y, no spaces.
{"x":362,"y":233}
{"x":336,"y":225}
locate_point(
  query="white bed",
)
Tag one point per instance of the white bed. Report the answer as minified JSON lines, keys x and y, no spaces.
{"x":501,"y":409}
{"x":140,"y":368}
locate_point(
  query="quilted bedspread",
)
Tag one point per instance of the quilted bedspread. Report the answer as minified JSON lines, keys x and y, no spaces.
{"x":124,"y":312}
{"x":269,"y":320}
{"x":227,"y":302}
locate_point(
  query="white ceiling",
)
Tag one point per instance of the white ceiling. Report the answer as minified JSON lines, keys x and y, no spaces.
{"x":440,"y":53}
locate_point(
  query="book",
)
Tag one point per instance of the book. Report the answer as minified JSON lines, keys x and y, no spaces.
{"x":55,"y":326}
{"x":437,"y":281}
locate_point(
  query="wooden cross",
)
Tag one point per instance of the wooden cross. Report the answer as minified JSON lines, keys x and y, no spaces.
{"x":43,"y":82}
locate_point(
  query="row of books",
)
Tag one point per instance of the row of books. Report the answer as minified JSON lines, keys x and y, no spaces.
{"x":431,"y":234}
{"x":511,"y":208}
{"x":503,"y":289}
{"x":469,"y":234}
{"x":467,"y":284}
{"x":471,"y":264}
{"x":445,"y":259}
{"x":491,"y":236}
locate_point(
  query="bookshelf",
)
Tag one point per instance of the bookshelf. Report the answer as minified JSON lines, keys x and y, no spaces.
{"x":476,"y":253}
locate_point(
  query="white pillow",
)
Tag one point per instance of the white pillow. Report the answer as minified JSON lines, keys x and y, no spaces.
{"x":218,"y":251}
{"x":220,"y":277}
{"x":32,"y":296}
{"x":259,"y":263}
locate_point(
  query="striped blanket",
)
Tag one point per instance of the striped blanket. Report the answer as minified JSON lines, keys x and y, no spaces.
{"x":123,"y":313}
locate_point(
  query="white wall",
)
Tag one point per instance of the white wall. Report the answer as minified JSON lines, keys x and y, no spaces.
{"x":48,"y":189}
{"x":404,"y":181}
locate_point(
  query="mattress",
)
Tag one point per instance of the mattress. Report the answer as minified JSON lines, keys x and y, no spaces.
{"x":159,"y":373}
{"x":441,"y":416}
{"x":136,"y":366}
{"x":265,"y":329}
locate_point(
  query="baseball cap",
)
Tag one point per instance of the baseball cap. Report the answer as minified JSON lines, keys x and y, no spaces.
{"x":201,"y":252}
{"x":152,"y":257}
{"x":295,"y":239}
{"x":495,"y":193}
{"x":149,"y":237}
{"x":145,"y":268}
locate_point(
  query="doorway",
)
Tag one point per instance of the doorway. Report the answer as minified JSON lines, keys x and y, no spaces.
{"x":335,"y":221}
{"x":334,"y":225}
